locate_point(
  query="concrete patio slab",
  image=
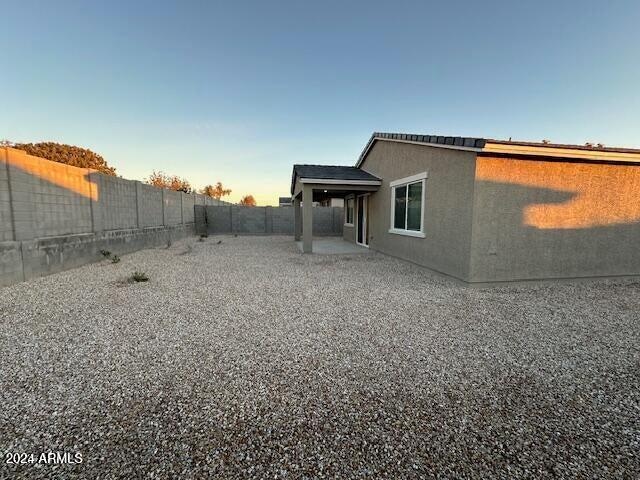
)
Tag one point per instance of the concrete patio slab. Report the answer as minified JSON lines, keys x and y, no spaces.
{"x":334,"y":246}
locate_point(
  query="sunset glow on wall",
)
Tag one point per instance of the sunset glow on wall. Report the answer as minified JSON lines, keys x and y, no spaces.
{"x":602,"y":194}
{"x":65,"y":176}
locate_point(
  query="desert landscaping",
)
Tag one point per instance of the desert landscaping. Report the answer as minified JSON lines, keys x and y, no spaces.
{"x":240,"y":357}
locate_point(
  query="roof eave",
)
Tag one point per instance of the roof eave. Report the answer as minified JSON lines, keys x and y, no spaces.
{"x":559,"y":152}
{"x":339,"y":181}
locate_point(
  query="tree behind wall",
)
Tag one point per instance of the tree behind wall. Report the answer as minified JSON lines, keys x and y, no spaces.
{"x":67,"y":154}
{"x":248,"y":201}
{"x":216,"y":191}
{"x":170,"y":182}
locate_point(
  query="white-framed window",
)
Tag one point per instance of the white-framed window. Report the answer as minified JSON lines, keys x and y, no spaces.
{"x":348,"y":211}
{"x":407,"y":205}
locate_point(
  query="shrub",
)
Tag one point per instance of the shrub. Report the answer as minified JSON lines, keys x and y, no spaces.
{"x":171,"y":182}
{"x":67,"y":154}
{"x":139,"y":277}
{"x":115,"y":259}
{"x":105,"y":253}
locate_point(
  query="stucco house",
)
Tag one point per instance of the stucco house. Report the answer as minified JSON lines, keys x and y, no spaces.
{"x":484,"y":210}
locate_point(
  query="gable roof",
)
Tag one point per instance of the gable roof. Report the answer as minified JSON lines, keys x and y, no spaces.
{"x":330,"y":172}
{"x":488,"y":145}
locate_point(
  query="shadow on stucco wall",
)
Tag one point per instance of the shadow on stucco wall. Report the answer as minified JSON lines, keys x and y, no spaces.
{"x":525,"y":232}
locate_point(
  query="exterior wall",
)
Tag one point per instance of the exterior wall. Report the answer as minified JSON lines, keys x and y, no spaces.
{"x":237,"y":219}
{"x":349,"y":233}
{"x":554,"y":219}
{"x":448,"y":205}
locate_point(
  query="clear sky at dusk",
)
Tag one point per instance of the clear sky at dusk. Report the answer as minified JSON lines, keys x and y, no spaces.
{"x":239,"y":91}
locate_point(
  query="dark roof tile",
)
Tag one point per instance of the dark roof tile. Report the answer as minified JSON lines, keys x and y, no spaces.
{"x":474,"y":142}
{"x":329,"y":172}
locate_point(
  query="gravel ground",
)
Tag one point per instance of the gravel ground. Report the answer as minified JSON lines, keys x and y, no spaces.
{"x":246,"y":359}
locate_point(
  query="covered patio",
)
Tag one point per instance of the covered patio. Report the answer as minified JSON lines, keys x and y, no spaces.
{"x":314,"y":183}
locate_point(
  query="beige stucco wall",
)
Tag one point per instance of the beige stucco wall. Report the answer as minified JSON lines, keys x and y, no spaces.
{"x":448,"y":205}
{"x":349,"y":233}
{"x":554,"y":219}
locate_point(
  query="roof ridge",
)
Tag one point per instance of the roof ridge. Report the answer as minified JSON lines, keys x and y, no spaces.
{"x":478,"y":142}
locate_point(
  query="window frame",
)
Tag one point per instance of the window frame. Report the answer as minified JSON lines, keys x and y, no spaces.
{"x":405,"y":182}
{"x":350,"y":198}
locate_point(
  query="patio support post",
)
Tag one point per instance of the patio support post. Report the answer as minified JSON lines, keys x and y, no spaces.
{"x":307,"y":218}
{"x":297,"y":218}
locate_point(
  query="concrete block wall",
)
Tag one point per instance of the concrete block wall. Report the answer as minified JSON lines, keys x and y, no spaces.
{"x":323,"y":221}
{"x":11,"y":270}
{"x":6,"y":219}
{"x":188,"y":202}
{"x":200,"y":218}
{"x":117,"y":201}
{"x":282,"y":220}
{"x":237,"y":219}
{"x":218,"y":219}
{"x":172,"y":207}
{"x":45,"y":256}
{"x":47,"y":198}
{"x":248,"y":219}
{"x":150,"y":206}
{"x":55,"y":216}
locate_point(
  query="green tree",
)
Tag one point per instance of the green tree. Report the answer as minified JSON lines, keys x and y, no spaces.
{"x":67,"y":154}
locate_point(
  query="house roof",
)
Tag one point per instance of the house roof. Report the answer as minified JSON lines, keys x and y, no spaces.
{"x":284,"y":200}
{"x":318,"y":173}
{"x":488,"y":145}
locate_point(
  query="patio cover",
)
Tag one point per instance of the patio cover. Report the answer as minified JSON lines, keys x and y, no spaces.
{"x":311,"y":183}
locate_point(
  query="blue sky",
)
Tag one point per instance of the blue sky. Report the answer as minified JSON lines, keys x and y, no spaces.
{"x":239,"y":91}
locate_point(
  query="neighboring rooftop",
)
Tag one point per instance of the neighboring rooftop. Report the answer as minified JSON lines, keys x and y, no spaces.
{"x":489,"y":145}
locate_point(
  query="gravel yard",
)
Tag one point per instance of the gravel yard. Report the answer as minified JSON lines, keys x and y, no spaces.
{"x":247,"y":359}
